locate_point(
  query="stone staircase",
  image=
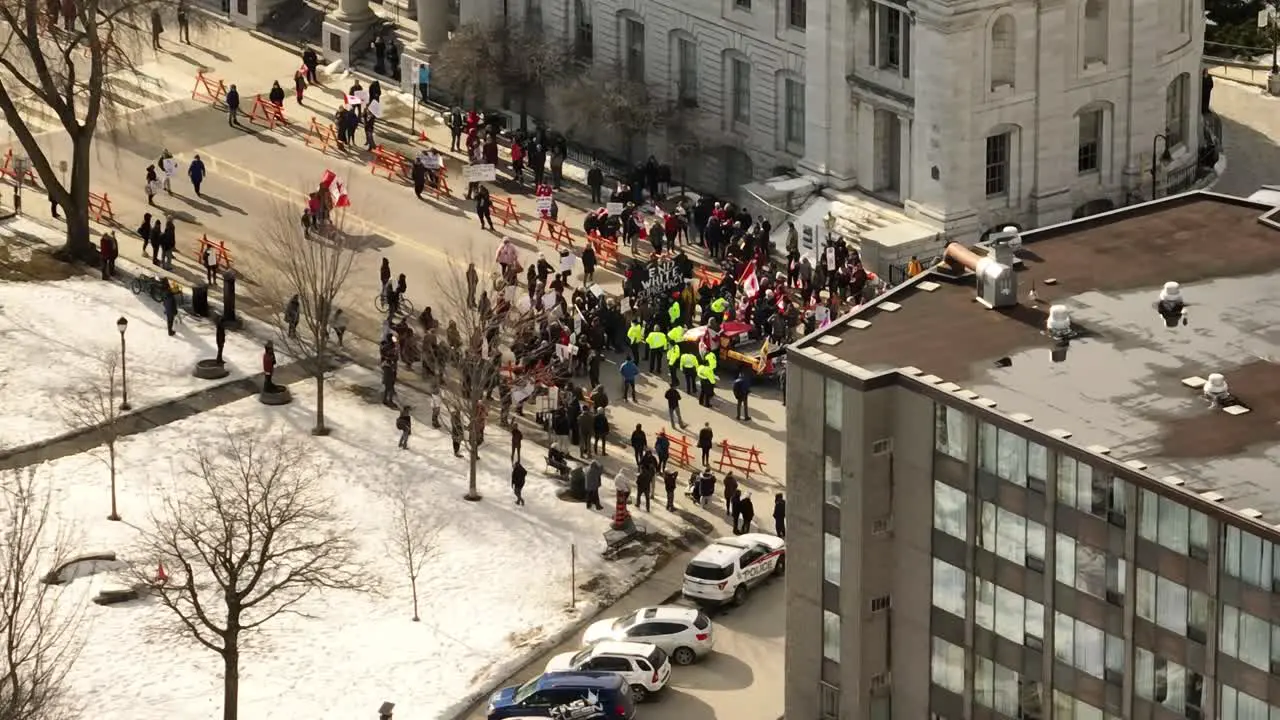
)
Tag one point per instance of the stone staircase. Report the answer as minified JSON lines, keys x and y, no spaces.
{"x":856,"y":215}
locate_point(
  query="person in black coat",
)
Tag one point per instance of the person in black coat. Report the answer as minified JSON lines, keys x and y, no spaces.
{"x":645,"y":478}
{"x":747,"y":512}
{"x":669,"y":484}
{"x":588,"y":264}
{"x":404,"y":423}
{"x":780,"y":515}
{"x":601,"y":426}
{"x":518,"y":474}
{"x":170,"y":307}
{"x":219,"y":336}
{"x":705,"y":440}
{"x":639,"y":443}
{"x":595,"y":181}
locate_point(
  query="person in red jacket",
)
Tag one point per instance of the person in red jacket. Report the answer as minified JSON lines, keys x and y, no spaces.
{"x":108,"y":251}
{"x":268,"y":366}
{"x":671,"y":225}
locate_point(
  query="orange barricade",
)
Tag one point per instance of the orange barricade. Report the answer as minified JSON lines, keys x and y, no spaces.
{"x":606,"y":249}
{"x":744,"y":459}
{"x":556,"y":233}
{"x":505,"y":210}
{"x":390,"y":161}
{"x":679,"y":448}
{"x":708,"y":277}
{"x":8,"y":170}
{"x":441,"y":190}
{"x":100,"y":207}
{"x":220,"y":253}
{"x":266,"y":114}
{"x":321,"y":136}
{"x":211,"y":90}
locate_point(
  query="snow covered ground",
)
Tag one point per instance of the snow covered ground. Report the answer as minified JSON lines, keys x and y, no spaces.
{"x":54,"y":337}
{"x":498,"y":586}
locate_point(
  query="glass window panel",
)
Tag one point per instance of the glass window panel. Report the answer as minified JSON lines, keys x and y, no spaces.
{"x":1175,"y":684}
{"x":946,"y":667}
{"x":1091,"y":571}
{"x":1064,"y":560}
{"x":831,"y":558}
{"x":1146,"y":595}
{"x":1006,"y":693}
{"x":1255,"y":642}
{"x":1064,"y":638}
{"x":1174,"y":529}
{"x":1199,"y":531}
{"x":1066,"y":481}
{"x":1119,"y":498}
{"x":1149,"y":515}
{"x":831,"y":481}
{"x":948,"y":587}
{"x":1090,"y":649}
{"x":833,"y":397}
{"x":1011,"y":536}
{"x":984,"y":681}
{"x":1275,"y":646}
{"x":830,"y":636}
{"x":950,"y":508}
{"x":988,"y":447}
{"x":1099,"y":500}
{"x":1229,"y":633}
{"x":1034,"y":625}
{"x":1037,"y":461}
{"x":1227,"y":702}
{"x":987,"y":527}
{"x":1231,"y":551}
{"x":1035,"y":540}
{"x":1010,"y":622}
{"x":1250,"y":557}
{"x":951,"y":432}
{"x":1011,"y":462}
{"x":1198,"y":616}
{"x":1144,"y":674}
{"x":985,"y":607}
{"x":1064,"y":706}
{"x":1084,"y":486}
{"x":1115,"y":655}
{"x":1171,"y":605}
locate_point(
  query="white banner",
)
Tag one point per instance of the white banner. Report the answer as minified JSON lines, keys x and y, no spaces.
{"x":614,"y":208}
{"x":480,"y":173}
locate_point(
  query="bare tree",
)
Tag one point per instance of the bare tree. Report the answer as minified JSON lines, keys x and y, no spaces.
{"x":606,"y":99}
{"x":94,"y":408}
{"x":464,"y":64}
{"x":470,"y":365}
{"x":67,"y":68}
{"x":413,"y":542}
{"x":311,"y":265}
{"x":520,"y":59}
{"x":248,"y":538}
{"x":38,"y":638}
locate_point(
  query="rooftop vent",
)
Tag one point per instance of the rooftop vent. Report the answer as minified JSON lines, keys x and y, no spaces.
{"x":1058,"y":324}
{"x":1216,"y":390}
{"x":997,"y":283}
{"x":1171,"y":306}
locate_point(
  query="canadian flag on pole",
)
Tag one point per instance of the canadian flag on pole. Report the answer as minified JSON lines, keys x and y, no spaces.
{"x":337,"y":189}
{"x":749,"y":282}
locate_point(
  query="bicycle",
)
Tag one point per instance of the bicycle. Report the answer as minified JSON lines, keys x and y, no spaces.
{"x":155,"y":287}
{"x":406,"y":305}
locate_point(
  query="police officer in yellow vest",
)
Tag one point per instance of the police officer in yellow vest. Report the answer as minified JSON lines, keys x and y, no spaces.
{"x":708,"y":391}
{"x":719,"y":305}
{"x":673,"y":361}
{"x":675,"y":335}
{"x":673,"y":313}
{"x":635,"y":338}
{"x":689,"y":364}
{"x":657,"y":342}
{"x":709,"y":359}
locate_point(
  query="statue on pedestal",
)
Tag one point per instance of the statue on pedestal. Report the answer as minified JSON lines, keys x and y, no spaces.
{"x":622,"y":514}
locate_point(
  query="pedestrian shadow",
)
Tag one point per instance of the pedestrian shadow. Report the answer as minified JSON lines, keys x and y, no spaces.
{"x":223,"y":204}
{"x":198,"y":205}
{"x":451,"y":205}
{"x":262,"y":137}
{"x":177,"y":215}
{"x":361,"y":243}
{"x":723,"y":673}
{"x":220,"y":57}
{"x":188,"y":60}
{"x":696,"y":521}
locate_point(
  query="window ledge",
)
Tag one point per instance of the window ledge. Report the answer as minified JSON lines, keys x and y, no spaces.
{"x":1093,"y":67}
{"x":1001,"y":89}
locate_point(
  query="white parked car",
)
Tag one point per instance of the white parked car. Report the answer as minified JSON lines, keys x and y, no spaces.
{"x":644,"y":666}
{"x":727,"y":568}
{"x":683,"y":633}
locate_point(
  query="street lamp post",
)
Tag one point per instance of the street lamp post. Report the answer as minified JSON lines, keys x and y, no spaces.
{"x":122,"y":324}
{"x":1165,"y":158}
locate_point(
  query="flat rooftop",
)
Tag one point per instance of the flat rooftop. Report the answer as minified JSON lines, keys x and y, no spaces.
{"x":1120,"y":384}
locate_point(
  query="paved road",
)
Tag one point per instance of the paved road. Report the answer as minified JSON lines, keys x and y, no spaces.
{"x":741,"y":680}
{"x":1251,"y":129}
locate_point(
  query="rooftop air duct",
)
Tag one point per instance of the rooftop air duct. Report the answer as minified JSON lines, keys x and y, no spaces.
{"x":1216,"y":390}
{"x":1171,"y":306}
{"x":1058,"y":325}
{"x":997,"y":283}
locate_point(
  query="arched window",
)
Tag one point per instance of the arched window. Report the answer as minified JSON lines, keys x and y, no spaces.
{"x":1175,"y":110}
{"x":1096,"y":31}
{"x":1004,"y":48}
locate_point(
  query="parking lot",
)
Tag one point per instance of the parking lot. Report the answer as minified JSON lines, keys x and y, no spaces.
{"x":741,"y":679}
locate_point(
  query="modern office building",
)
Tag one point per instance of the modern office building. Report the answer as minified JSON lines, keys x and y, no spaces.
{"x":1050,"y":489}
{"x":962,"y":115}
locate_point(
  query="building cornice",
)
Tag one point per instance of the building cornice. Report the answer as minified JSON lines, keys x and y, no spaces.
{"x":873,"y":90}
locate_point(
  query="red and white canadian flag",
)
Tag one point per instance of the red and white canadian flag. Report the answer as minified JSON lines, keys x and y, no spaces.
{"x":337,"y":189}
{"x":749,"y":282}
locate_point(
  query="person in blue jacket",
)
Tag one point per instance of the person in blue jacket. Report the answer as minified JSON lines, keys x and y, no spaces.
{"x":741,"y":390}
{"x":629,"y":371}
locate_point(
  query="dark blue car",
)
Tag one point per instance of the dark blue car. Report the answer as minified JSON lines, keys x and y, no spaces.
{"x":539,"y":696}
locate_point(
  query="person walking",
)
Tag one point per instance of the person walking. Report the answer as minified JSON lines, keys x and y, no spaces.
{"x":730,"y":492}
{"x":780,"y":515}
{"x":706,"y":438}
{"x":404,"y":423}
{"x":585,"y":422}
{"x":339,"y":325}
{"x":517,"y":437}
{"x":152,"y":184}
{"x":291,"y":315}
{"x":735,"y":510}
{"x":662,"y":450}
{"x":268,"y":367}
{"x":673,"y":405}
{"x":595,"y":473}
{"x":157,"y":27}
{"x":747,"y":511}
{"x":219,"y":337}
{"x":484,"y":207}
{"x":157,"y":241}
{"x":169,"y":242}
{"x":233,"y":106}
{"x":639,"y":443}
{"x":669,"y":484}
{"x":629,"y":371}
{"x":741,"y":390}
{"x":673,"y":360}
{"x":518,"y":474}
{"x":209,"y":262}
{"x":455,"y":432}
{"x":311,"y":61}
{"x":196,"y":172}
{"x":600,"y":424}
{"x":108,"y":251}
{"x":299,"y":84}
{"x":184,"y":24}
{"x":644,"y":480}
{"x":144,"y":232}
{"x":168,"y":167}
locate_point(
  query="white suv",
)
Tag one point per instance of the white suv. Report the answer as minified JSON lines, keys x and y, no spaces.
{"x":644,"y":666}
{"x":727,"y":568}
{"x":683,"y":633}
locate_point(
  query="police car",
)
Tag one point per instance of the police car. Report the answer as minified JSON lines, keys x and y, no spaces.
{"x":726,"y":569}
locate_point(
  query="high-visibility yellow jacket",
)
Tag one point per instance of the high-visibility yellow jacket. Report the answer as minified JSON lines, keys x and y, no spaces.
{"x":673,"y":355}
{"x":688,"y":361}
{"x":719,"y":305}
{"x":676,"y":334}
{"x":707,"y":373}
{"x":656,"y":340}
{"x":635,"y":333}
{"x":710,"y":360}
{"x":673,"y":312}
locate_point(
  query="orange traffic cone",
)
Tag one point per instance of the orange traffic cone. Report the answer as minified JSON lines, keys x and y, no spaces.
{"x":161,"y":576}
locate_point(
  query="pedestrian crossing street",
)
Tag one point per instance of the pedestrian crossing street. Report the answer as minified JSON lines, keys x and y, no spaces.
{"x":153,"y":84}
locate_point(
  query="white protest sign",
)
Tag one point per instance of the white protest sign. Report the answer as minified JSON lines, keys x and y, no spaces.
{"x":543,"y":203}
{"x":613,"y":208}
{"x":480,"y":173}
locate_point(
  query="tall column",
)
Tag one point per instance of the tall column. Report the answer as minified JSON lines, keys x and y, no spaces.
{"x":433,"y":25}
{"x":353,"y":11}
{"x":829,"y":124}
{"x":345,"y":28}
{"x":904,"y":157}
